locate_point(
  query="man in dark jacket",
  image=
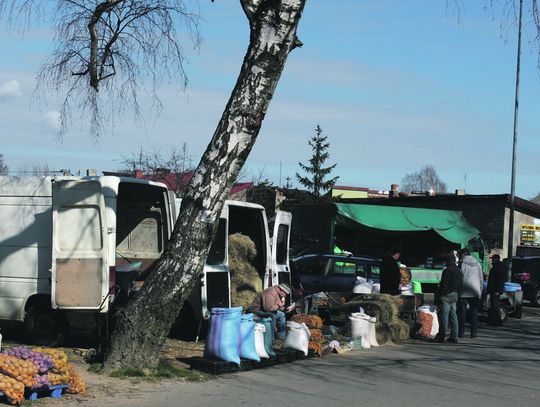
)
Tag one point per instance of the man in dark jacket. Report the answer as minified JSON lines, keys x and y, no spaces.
{"x":389,"y":273}
{"x":495,"y":287}
{"x":447,"y":297}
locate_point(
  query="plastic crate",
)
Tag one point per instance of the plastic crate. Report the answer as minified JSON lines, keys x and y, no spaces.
{"x":271,"y":361}
{"x":281,"y":356}
{"x":212,"y":366}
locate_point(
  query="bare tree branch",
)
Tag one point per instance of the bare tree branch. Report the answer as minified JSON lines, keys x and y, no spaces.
{"x":119,"y":48}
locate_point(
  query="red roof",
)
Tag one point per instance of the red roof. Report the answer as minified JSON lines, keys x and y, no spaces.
{"x":177,"y":182}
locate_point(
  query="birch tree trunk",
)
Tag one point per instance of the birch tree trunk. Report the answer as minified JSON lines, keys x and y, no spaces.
{"x":142,"y":327}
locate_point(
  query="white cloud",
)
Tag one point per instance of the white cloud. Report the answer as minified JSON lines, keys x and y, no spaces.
{"x":52,"y":119}
{"x":9,"y":91}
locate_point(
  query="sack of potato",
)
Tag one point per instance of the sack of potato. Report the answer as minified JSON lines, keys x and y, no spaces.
{"x":76,"y":383}
{"x":60,"y":377}
{"x":43,"y":361}
{"x":59,"y":359}
{"x":23,"y":371}
{"x":12,"y":389}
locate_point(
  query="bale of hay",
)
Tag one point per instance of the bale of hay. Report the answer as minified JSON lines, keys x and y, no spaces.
{"x":382,"y":332}
{"x":245,"y":281}
{"x":384,"y":307}
{"x":399,"y":331}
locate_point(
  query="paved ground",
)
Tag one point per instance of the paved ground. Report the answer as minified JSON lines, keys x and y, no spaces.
{"x":499,"y":368}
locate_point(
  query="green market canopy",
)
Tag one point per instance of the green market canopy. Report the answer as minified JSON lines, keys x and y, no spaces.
{"x":449,"y":224}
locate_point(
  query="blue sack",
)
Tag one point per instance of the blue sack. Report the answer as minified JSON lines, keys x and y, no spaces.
{"x":246,"y":346}
{"x":224,"y":334}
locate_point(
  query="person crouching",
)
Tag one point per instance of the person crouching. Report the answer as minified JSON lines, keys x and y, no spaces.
{"x":271,"y":303}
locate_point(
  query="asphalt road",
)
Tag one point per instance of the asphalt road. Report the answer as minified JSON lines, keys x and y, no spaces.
{"x":501,"y":367}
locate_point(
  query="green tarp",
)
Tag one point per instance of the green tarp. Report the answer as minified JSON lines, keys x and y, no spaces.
{"x":449,"y":224}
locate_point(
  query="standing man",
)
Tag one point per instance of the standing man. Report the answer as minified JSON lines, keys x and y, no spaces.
{"x":470,"y":293}
{"x":390,"y":276}
{"x":447,"y":298}
{"x":271,"y":303}
{"x":495,"y":287}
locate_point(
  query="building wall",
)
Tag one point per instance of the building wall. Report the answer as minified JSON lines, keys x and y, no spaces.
{"x":348,"y":194}
{"x":519,"y":219}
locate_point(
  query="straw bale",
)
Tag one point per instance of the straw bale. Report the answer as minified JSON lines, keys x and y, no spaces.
{"x":382,"y":332}
{"x":245,"y":281}
{"x":399,"y":331}
{"x":384,"y":307}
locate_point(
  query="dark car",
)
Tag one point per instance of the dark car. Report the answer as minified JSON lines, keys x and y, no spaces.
{"x":313,"y":273}
{"x":526,"y":271}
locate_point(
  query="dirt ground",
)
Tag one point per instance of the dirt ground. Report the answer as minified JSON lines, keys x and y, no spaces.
{"x":108,"y":389}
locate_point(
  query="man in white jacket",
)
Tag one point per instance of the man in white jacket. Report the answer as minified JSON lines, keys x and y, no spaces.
{"x":470,"y":293}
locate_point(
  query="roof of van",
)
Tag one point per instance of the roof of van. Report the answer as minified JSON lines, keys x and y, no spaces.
{"x":42,"y":185}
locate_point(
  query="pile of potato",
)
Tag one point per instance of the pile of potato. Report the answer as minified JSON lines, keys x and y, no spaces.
{"x":22,"y":367}
{"x":21,"y":370}
{"x":13,"y":390}
{"x":76,"y":384}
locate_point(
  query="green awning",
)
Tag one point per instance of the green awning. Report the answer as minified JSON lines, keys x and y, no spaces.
{"x":449,"y":224}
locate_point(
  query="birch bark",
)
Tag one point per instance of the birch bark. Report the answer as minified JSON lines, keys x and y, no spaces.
{"x":142,"y":327}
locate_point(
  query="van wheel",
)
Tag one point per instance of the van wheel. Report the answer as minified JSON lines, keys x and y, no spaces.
{"x":43,"y":326}
{"x":504,"y":313}
{"x":535,"y":300}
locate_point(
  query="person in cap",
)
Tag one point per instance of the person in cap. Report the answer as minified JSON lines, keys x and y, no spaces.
{"x":271,"y":303}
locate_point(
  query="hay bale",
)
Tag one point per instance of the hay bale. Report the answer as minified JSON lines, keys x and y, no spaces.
{"x":382,"y":332}
{"x":245,"y":280}
{"x":399,"y":331}
{"x":384,"y":307}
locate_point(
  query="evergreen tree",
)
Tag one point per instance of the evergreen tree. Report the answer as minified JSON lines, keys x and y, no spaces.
{"x":315,"y":180}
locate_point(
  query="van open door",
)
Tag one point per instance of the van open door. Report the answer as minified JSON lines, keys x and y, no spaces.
{"x":280,"y":249}
{"x":79,"y":250}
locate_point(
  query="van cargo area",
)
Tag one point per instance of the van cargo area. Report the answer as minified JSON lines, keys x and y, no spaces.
{"x":62,"y":239}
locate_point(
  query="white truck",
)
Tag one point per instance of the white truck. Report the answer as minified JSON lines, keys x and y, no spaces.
{"x":214,"y":288}
{"x":64,"y":242}
{"x":62,"y":239}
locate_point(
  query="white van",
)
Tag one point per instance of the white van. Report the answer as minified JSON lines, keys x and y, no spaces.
{"x":63,"y":238}
{"x":271,"y":261}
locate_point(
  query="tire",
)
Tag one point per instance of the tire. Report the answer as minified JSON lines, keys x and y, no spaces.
{"x":504,"y":313}
{"x":535,"y":300}
{"x":43,"y":326}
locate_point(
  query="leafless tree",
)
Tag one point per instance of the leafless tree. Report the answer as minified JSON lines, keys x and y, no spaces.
{"x":424,"y":180}
{"x":35,"y":169}
{"x":156,"y":165}
{"x":108,"y":50}
{"x":3,"y":167}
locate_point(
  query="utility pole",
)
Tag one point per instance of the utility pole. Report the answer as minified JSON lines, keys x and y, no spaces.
{"x":514,"y":143}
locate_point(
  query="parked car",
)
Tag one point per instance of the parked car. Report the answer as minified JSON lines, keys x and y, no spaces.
{"x":526,"y":271}
{"x":313,"y":273}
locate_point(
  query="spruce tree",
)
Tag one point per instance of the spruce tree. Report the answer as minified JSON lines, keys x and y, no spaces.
{"x":315,"y":180}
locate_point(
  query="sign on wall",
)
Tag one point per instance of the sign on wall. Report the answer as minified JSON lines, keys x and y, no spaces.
{"x":530,"y":235}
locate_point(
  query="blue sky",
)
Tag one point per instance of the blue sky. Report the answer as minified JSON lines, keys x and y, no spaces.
{"x":395,"y":85}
